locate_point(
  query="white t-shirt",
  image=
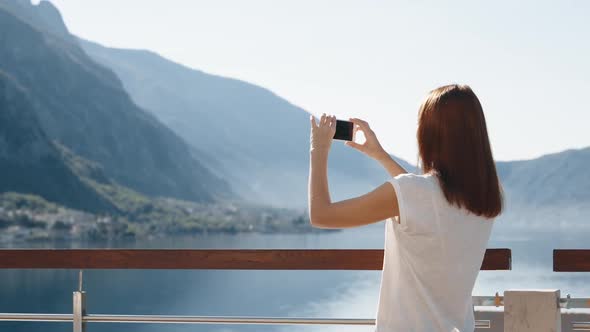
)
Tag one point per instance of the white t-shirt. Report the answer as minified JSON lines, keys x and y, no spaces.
{"x":432,"y":258}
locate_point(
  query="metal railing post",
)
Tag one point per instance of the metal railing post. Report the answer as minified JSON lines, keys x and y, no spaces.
{"x":79,"y":308}
{"x":79,"y":311}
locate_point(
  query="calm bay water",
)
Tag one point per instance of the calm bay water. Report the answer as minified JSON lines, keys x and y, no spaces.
{"x":351,"y":294}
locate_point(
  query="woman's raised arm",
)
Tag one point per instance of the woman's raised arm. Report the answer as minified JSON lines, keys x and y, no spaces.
{"x":374,"y":206}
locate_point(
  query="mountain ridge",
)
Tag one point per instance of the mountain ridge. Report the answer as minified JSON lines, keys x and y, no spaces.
{"x":30,"y":162}
{"x":44,"y":16}
{"x":553,"y":179}
{"x":238,"y":131}
{"x":83,"y":106}
{"x":525,"y":181}
{"x":261,"y":138}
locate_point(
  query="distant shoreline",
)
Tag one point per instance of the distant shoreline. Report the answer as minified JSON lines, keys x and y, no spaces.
{"x":31,"y":219}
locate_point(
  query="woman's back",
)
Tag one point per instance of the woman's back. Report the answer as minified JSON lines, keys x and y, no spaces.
{"x":432,"y":258}
{"x":443,"y":219}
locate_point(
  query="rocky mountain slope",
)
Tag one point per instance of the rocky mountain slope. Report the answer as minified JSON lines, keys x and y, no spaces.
{"x":83,"y":107}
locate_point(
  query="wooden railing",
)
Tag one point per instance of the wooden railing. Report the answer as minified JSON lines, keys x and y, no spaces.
{"x":249,"y":259}
{"x":571,"y":260}
{"x":564,"y":260}
{"x":223,"y":259}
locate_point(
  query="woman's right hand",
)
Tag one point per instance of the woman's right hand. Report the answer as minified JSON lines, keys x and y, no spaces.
{"x":371,"y":147}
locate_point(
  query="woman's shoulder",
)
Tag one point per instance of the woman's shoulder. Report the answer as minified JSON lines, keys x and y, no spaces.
{"x":415,"y":182}
{"x":417,"y":178}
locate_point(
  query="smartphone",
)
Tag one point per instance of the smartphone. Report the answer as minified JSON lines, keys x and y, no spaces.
{"x":344,"y":130}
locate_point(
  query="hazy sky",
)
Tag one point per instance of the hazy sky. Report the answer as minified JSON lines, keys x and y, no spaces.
{"x":528,"y":61}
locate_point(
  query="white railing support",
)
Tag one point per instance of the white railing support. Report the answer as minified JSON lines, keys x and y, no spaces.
{"x":532,"y":311}
{"x":79,"y":311}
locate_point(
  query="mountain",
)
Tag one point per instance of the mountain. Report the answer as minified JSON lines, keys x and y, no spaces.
{"x":30,"y":162}
{"x":261,"y":139}
{"x":554,"y":179}
{"x":549,"y":195}
{"x":43,"y":16}
{"x":242,"y":132}
{"x":253,"y":120}
{"x":83,"y":107}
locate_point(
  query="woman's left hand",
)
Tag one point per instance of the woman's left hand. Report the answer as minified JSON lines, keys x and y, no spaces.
{"x":322,"y":133}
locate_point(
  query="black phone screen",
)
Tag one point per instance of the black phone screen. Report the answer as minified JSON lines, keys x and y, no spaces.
{"x":344,"y":130}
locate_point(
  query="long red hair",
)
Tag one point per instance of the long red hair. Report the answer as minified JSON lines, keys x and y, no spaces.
{"x":453,"y":144}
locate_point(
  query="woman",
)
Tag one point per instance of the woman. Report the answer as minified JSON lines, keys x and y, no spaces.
{"x":437,"y":223}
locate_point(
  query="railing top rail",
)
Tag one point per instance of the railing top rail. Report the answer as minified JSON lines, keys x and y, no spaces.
{"x":571,"y":260}
{"x":213,"y":259}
